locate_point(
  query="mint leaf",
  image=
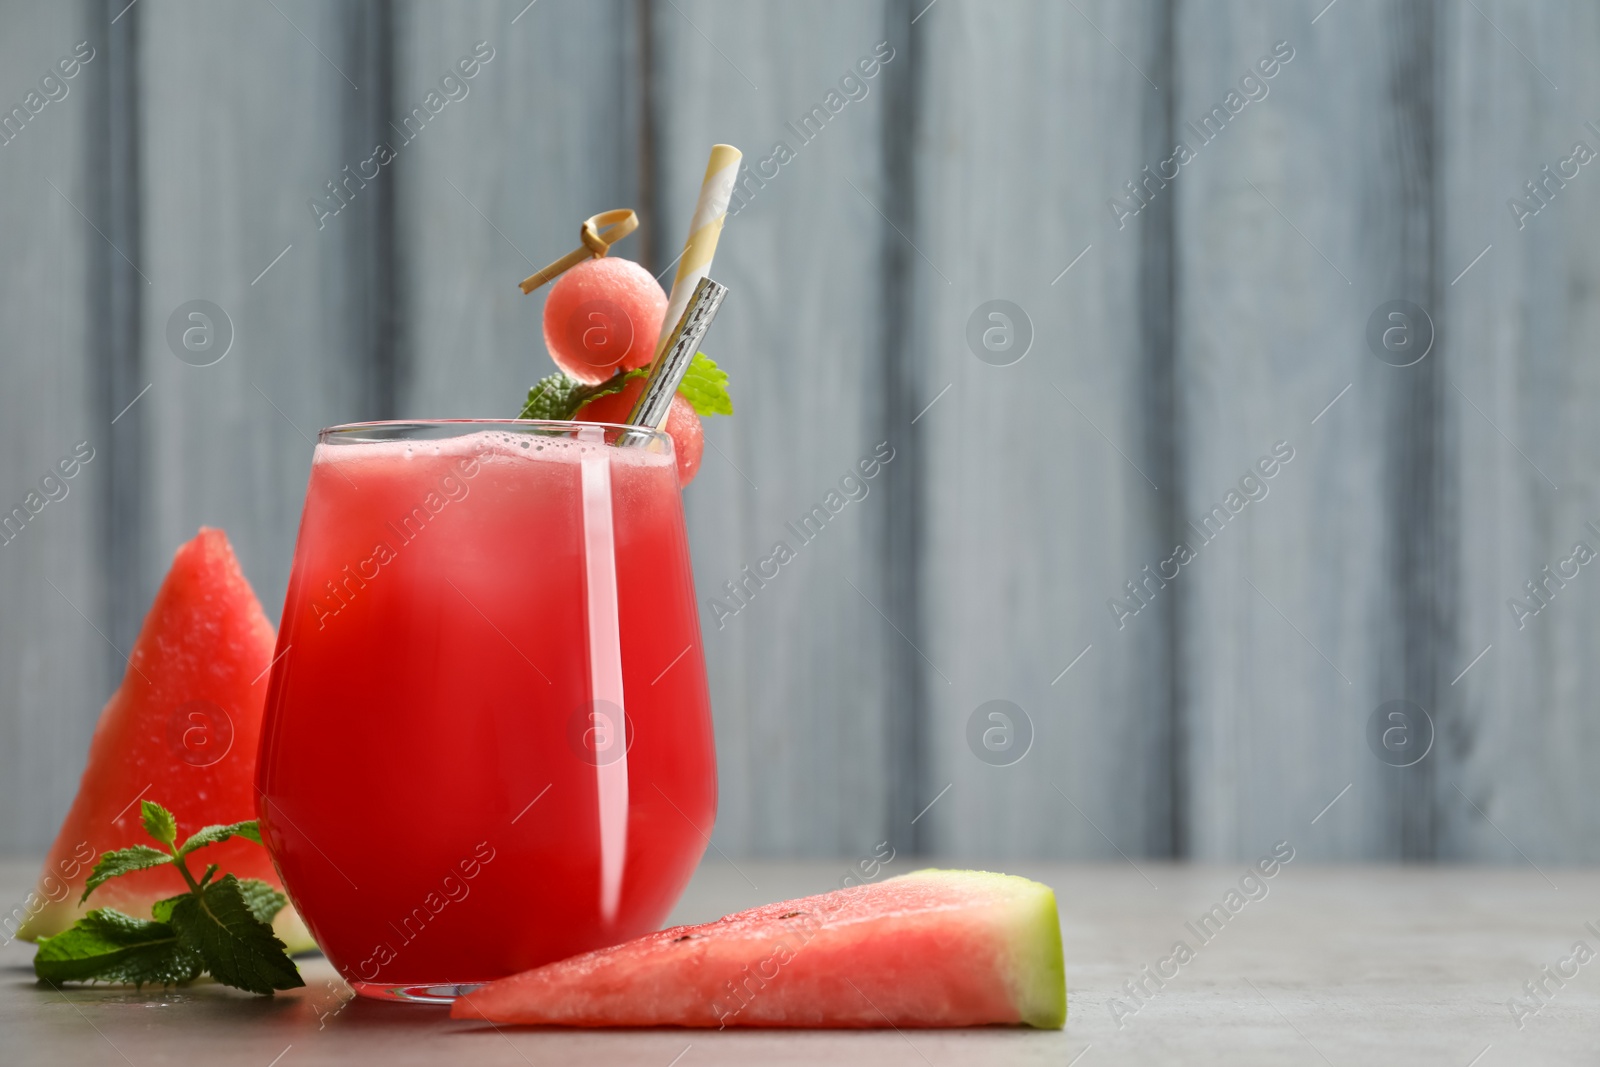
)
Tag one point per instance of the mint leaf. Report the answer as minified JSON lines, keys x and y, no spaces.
{"x":559,"y":397}
{"x":263,"y":901}
{"x":240,"y":950}
{"x":553,"y":397}
{"x":108,"y":946}
{"x":613,"y":384}
{"x":161,"y":910}
{"x":123,"y":861}
{"x":211,"y":835}
{"x":705,"y":387}
{"x":556,"y":396}
{"x":159,"y":823}
{"x":222,"y":926}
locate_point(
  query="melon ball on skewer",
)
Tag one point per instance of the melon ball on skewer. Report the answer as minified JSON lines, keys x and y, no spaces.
{"x":601,"y":315}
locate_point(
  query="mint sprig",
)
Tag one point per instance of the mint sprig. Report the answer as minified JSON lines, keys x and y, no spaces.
{"x":556,"y":396}
{"x":223,"y":926}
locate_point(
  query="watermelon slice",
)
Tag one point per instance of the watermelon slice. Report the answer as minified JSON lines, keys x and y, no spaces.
{"x":931,"y":948}
{"x":181,"y":730}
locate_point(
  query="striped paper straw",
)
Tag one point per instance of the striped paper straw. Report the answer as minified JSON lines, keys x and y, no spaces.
{"x":704,"y":229}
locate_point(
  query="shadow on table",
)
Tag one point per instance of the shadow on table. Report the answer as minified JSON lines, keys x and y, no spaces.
{"x":205,"y":994}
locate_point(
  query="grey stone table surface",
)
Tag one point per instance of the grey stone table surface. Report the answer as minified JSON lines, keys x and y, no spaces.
{"x":1317,"y":965}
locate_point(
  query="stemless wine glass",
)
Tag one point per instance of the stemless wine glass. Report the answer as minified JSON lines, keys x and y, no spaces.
{"x":487,"y":743}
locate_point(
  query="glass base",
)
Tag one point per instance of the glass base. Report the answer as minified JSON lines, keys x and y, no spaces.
{"x":424,"y":993}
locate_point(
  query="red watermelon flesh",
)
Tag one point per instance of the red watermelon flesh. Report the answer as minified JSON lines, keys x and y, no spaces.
{"x":931,"y":948}
{"x":181,"y":730}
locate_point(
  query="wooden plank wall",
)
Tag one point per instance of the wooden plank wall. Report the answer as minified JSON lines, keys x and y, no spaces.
{"x":803,"y":341}
{"x":495,"y":186}
{"x":1172,"y":348}
{"x":1523,"y":388}
{"x":1043,"y":479}
{"x":1304,"y":213}
{"x":54,"y":665}
{"x":227,"y":162}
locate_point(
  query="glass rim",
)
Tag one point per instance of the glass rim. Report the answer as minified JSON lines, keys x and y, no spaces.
{"x":381,"y":430}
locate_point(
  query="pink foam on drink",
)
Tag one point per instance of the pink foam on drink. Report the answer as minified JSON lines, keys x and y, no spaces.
{"x":487,"y":445}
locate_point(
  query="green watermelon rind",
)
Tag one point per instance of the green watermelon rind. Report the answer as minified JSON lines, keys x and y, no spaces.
{"x":1038,"y":976}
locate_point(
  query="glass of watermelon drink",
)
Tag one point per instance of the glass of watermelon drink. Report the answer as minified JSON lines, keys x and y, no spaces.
{"x":487,"y":743}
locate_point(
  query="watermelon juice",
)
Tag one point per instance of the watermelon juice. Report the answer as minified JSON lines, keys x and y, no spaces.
{"x":487,"y":743}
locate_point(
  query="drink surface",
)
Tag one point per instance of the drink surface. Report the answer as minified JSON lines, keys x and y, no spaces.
{"x":433,"y":756}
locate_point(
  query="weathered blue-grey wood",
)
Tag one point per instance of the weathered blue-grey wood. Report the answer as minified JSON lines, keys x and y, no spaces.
{"x":1043,"y":479}
{"x":1521,"y":738}
{"x":545,"y":134}
{"x":1307,"y":211}
{"x":54,"y":665}
{"x":248,"y":111}
{"x":801,"y":676}
{"x":1181,"y":329}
